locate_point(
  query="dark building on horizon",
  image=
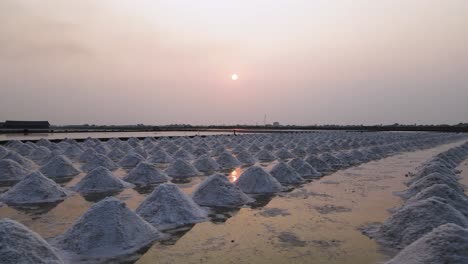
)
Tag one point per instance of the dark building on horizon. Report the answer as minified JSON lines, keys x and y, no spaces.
{"x":26,"y":125}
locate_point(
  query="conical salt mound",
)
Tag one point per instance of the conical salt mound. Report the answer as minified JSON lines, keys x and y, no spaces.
{"x":131,"y":160}
{"x":145,"y":174}
{"x":217,"y":191}
{"x":59,"y":167}
{"x":416,"y":219}
{"x":34,"y":188}
{"x":40,"y":154}
{"x":160,"y":156}
{"x":429,"y":180}
{"x":181,"y":169}
{"x":432,"y":168}
{"x":307,"y":171}
{"x":3,"y":152}
{"x":73,"y":152}
{"x":100,"y":180}
{"x":445,"y":244}
{"x":183,"y":154}
{"x":11,"y":171}
{"x":87,"y":155}
{"x":26,"y":163}
{"x":206,"y":164}
{"x":99,"y":160}
{"x":284,"y":154}
{"x":456,"y":199}
{"x":116,"y":154}
{"x":167,"y":207}
{"x":285,"y":174}
{"x":245,"y":158}
{"x":109,"y":229}
{"x":254,"y":148}
{"x":257,"y":180}
{"x":265,"y":155}
{"x":18,"y":244}
{"x":227,"y":161}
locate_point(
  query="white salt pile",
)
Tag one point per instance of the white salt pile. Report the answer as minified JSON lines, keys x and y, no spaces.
{"x":59,"y":167}
{"x":245,"y":158}
{"x":107,"y":230}
{"x":284,"y":154}
{"x":318,"y":164}
{"x":429,"y":180}
{"x":3,"y":152}
{"x":116,"y":154}
{"x":307,"y":171}
{"x":432,"y":168}
{"x":99,"y":160}
{"x":100,"y":180}
{"x":332,"y":161}
{"x":445,"y":244}
{"x":25,"y":150}
{"x":11,"y":171}
{"x":183,"y":154}
{"x":286,"y":174}
{"x":181,"y":169}
{"x":73,"y":152}
{"x":456,"y":199}
{"x":40,"y":155}
{"x":160,"y":156}
{"x":131,"y":160}
{"x":256,"y":180}
{"x":34,"y":188}
{"x":27,"y":163}
{"x":254,"y":148}
{"x":87,"y":155}
{"x":416,"y":219}
{"x":217,"y":191}
{"x":18,"y":244}
{"x":206,"y":164}
{"x":264,"y":155}
{"x":145,"y":174}
{"x":227,"y":161}
{"x":168,"y":207}
{"x":298,"y":151}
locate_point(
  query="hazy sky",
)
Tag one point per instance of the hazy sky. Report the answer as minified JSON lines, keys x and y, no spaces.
{"x":299,"y":62}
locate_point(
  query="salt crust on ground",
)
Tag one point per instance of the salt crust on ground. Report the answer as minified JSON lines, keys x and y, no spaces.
{"x":256,"y":180}
{"x":18,"y":244}
{"x":108,"y":229}
{"x":168,"y":207}
{"x":445,"y":244}
{"x":217,"y":191}
{"x":34,"y":188}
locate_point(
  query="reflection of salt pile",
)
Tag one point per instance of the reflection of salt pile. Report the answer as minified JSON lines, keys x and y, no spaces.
{"x":34,"y":188}
{"x":59,"y":167}
{"x":429,"y":180}
{"x":181,"y":169}
{"x":160,"y":156}
{"x":21,"y":245}
{"x":206,"y":164}
{"x":445,"y":244}
{"x":11,"y":171}
{"x":167,"y":207}
{"x":257,"y":180}
{"x":100,"y":180}
{"x":131,"y":160}
{"x":416,"y":219}
{"x":99,"y":160}
{"x":456,"y":199}
{"x":245,"y":158}
{"x":217,"y":191}
{"x":264,"y":155}
{"x":108,"y":229}
{"x":285,"y":174}
{"x":146,"y":173}
{"x":227,"y":161}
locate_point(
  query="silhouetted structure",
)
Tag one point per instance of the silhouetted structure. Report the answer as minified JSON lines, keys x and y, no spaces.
{"x":26,"y":125}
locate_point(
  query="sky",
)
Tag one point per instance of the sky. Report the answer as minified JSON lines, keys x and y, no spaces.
{"x":298,"y":62}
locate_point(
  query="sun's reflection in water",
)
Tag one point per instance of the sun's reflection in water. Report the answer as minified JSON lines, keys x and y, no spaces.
{"x":234,"y":175}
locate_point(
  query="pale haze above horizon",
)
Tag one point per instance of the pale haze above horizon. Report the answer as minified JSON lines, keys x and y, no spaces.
{"x":232,"y":62}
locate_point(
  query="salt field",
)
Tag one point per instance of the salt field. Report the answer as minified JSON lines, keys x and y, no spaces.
{"x":328,"y":197}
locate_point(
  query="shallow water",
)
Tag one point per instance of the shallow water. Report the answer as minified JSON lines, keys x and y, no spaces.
{"x":314,"y":223}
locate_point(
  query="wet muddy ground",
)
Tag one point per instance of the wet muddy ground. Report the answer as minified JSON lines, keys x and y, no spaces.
{"x":317,"y":222}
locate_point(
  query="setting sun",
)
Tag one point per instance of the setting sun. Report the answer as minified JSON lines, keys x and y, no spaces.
{"x":234,"y":76}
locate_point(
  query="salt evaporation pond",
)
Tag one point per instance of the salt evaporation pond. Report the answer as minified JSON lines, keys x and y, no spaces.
{"x":316,"y":222}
